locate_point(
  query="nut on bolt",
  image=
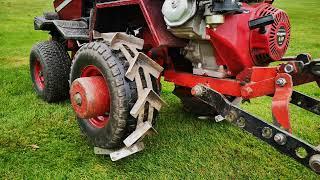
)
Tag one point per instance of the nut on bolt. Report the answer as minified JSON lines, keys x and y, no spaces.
{"x":78,"y":99}
{"x":280,"y":138}
{"x":246,"y":92}
{"x":267,"y":132}
{"x":289,"y":68}
{"x":281,"y":82}
{"x":197,"y":90}
{"x":231,"y":116}
{"x":314,"y":163}
{"x":241,"y":122}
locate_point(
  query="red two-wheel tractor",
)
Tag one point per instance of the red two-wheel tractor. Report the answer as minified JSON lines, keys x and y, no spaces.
{"x":108,"y":57}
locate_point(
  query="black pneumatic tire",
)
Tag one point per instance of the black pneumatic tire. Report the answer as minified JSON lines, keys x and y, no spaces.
{"x":112,"y":65}
{"x":55,"y":67}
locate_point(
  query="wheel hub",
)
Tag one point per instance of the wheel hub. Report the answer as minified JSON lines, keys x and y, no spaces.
{"x":38,"y":74}
{"x":77,"y":98}
{"x":90,"y":97}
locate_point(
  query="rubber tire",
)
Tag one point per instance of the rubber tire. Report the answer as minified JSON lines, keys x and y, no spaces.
{"x":113,"y":66}
{"x":56,"y":63}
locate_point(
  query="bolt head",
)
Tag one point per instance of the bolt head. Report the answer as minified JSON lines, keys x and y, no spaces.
{"x":267,"y":132}
{"x":231,"y":116}
{"x":289,"y":68}
{"x":280,"y":138}
{"x":241,"y":122}
{"x":281,"y":82}
{"x":197,"y":91}
{"x":78,"y":99}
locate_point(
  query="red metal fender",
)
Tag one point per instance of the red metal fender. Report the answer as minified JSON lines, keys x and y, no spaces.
{"x":70,"y":11}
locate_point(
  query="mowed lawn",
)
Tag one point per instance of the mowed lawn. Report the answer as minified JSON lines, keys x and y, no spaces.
{"x":186,"y":147}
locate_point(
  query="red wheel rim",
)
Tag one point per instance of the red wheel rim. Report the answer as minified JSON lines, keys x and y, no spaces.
{"x":38,"y":74}
{"x":100,"y":121}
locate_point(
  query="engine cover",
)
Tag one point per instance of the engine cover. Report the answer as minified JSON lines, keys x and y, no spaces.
{"x":237,"y":47}
{"x":272,"y":45}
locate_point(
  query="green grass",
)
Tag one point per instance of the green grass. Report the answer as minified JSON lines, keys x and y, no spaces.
{"x":185,"y":147}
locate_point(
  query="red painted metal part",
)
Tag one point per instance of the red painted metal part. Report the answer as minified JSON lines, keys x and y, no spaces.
{"x":237,"y":47}
{"x":95,"y":97}
{"x":281,"y":100}
{"x":256,"y":74}
{"x":258,"y":89}
{"x":257,"y":81}
{"x":73,"y":47}
{"x":151,"y":10}
{"x":95,"y":100}
{"x":71,"y":11}
{"x":38,"y":74}
{"x":226,"y":45}
{"x":266,"y":47}
{"x":251,"y":83}
{"x":225,"y":86}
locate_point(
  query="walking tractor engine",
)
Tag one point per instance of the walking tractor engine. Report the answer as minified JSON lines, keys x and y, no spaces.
{"x":227,"y":37}
{"x":108,"y":57}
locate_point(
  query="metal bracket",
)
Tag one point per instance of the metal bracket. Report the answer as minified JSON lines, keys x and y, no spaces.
{"x":280,"y":139}
{"x":148,"y":96}
{"x":127,"y":151}
{"x":306,"y":102}
{"x":281,"y":100}
{"x":130,"y":46}
{"x":133,"y":143}
{"x":219,"y":118}
{"x":139,"y":133}
{"x":116,"y":155}
{"x":78,"y":30}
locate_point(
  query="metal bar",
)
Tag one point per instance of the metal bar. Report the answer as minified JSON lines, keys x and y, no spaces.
{"x":306,"y":102}
{"x":126,"y":151}
{"x":227,"y":86}
{"x":140,"y":132}
{"x":116,"y":3}
{"x":281,"y":101}
{"x":274,"y":136}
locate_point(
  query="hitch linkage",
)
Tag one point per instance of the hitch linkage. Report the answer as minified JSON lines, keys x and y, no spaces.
{"x":280,"y":139}
{"x":306,"y":102}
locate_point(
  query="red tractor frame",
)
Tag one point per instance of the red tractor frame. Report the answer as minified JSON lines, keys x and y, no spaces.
{"x":119,"y":49}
